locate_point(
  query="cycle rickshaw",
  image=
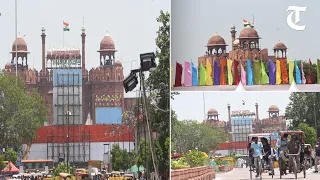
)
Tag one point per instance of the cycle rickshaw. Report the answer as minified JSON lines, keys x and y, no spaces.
{"x":307,"y":155}
{"x":268,"y":137}
{"x":284,"y":155}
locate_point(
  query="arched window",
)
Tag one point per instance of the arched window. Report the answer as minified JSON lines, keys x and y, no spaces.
{"x":252,"y":45}
{"x":244,"y":45}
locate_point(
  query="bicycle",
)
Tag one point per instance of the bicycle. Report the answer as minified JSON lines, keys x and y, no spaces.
{"x":295,"y":169}
{"x":259,"y":165}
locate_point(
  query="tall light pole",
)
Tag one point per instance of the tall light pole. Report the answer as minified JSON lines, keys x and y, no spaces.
{"x":315,"y":115}
{"x":16,"y":29}
{"x":68,"y":122}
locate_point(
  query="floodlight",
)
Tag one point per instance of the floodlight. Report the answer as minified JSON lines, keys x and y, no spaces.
{"x":147,"y":61}
{"x":130,"y":82}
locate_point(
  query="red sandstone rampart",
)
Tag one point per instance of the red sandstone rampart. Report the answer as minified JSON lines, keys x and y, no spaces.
{"x":196,"y":173}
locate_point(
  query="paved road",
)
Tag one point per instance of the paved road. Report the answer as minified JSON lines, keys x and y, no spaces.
{"x":284,"y":87}
{"x":243,"y":174}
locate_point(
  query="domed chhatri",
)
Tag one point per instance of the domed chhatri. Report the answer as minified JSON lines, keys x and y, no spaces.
{"x":107,"y":43}
{"x":249,"y":32}
{"x":216,"y":40}
{"x":273,"y":108}
{"x":280,"y":46}
{"x":212,"y":111}
{"x":21,"y":45}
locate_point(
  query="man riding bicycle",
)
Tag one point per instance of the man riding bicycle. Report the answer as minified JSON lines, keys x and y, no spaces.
{"x":294,"y":147}
{"x":282,"y":150}
{"x":257,"y":153}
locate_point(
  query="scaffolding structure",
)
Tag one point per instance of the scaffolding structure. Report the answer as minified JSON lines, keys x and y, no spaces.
{"x":241,"y":127}
{"x":67,"y":140}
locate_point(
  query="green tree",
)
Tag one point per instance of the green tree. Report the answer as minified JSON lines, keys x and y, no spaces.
{"x":190,"y":135}
{"x":302,"y":108}
{"x":22,"y":113}
{"x":11,"y":155}
{"x":2,"y":164}
{"x":144,"y":155}
{"x":159,"y":83}
{"x":196,"y":158}
{"x":310,"y":133}
{"x":126,"y":160}
{"x":62,"y":168}
{"x":116,"y":158}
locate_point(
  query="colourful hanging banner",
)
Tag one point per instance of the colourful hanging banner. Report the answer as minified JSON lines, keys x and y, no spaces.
{"x":187,"y":74}
{"x":230,"y":78}
{"x":249,"y":71}
{"x":194,"y":75}
{"x":223,"y":64}
{"x":291,"y":66}
{"x":216,"y":73}
{"x":298,"y":73}
{"x":302,"y":74}
{"x":203,"y":75}
{"x":318,"y":71}
{"x":284,"y":72}
{"x":209,"y":81}
{"x":310,"y":73}
{"x":257,"y":72}
{"x":243,"y":75}
{"x":264,"y":76}
{"x":278,"y":72}
{"x":236,"y":72}
{"x":272,"y":72}
{"x":178,"y":75}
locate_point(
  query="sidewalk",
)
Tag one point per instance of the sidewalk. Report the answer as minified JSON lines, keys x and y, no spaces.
{"x":244,"y":174}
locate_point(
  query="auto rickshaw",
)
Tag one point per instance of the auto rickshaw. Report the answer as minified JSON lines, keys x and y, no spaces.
{"x":268,"y":137}
{"x":284,"y":155}
{"x":65,"y":176}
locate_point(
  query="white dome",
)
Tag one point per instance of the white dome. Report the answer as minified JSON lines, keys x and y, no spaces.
{"x":236,"y":42}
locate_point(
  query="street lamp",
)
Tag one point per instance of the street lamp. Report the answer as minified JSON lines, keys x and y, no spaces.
{"x":147,"y":62}
{"x":118,"y":126}
{"x":123,"y":137}
{"x":130,"y":82}
{"x":68,"y":114}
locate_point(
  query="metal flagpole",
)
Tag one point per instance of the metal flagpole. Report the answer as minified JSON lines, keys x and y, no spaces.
{"x":253,"y":19}
{"x":204,"y":106}
{"x":16,"y":29}
{"x":63,"y":35}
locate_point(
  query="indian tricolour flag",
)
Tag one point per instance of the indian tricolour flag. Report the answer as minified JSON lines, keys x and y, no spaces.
{"x":66,"y":28}
{"x":247,"y":23}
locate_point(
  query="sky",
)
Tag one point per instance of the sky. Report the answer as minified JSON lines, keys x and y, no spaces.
{"x":131,"y":24}
{"x":190,"y":105}
{"x":195,"y":21}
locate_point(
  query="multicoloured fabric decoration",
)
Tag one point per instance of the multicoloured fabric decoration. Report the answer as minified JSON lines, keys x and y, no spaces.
{"x":209,"y":81}
{"x":249,"y":71}
{"x":187,"y":74}
{"x":216,"y":73}
{"x":278,"y":72}
{"x":202,"y":75}
{"x":298,"y":73}
{"x":194,"y":75}
{"x":243,"y":75}
{"x":272,"y":72}
{"x":229,"y":66}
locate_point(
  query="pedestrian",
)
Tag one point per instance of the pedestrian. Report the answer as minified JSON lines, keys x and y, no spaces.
{"x":316,"y":159}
